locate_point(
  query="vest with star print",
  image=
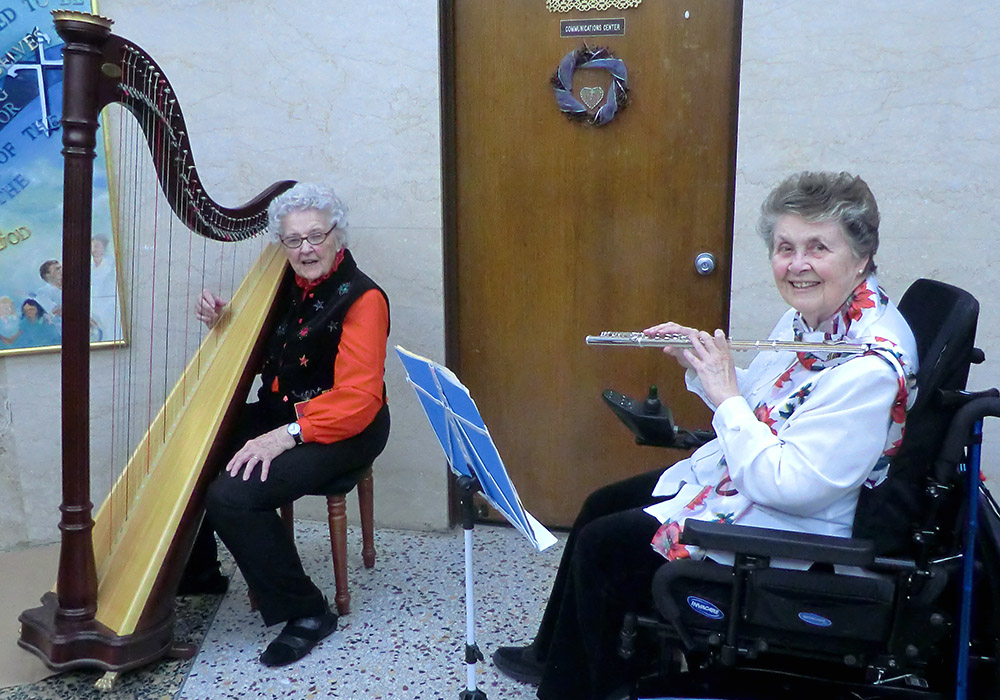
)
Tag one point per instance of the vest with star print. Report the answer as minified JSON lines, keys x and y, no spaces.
{"x":302,"y":349}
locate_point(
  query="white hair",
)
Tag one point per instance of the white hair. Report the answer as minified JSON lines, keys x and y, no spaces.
{"x":305,"y":196}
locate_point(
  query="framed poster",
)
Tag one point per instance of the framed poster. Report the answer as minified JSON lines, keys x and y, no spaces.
{"x":31,"y":184}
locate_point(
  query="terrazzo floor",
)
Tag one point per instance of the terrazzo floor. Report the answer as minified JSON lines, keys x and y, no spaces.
{"x":405,"y":636}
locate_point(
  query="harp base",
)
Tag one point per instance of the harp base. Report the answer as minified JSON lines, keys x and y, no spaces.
{"x":65,"y":646}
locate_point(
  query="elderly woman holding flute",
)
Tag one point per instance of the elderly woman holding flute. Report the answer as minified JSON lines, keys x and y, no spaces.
{"x":799,"y":433}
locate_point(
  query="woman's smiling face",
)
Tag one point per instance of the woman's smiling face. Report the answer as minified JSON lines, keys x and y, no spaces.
{"x":815,"y":268}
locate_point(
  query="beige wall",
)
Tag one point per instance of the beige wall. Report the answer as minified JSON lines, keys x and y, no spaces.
{"x":903,"y":92}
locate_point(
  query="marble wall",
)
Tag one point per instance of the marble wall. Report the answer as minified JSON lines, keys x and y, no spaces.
{"x":902,"y":92}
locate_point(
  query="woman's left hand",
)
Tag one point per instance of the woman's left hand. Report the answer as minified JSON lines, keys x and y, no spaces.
{"x":261,"y":450}
{"x":712,"y":359}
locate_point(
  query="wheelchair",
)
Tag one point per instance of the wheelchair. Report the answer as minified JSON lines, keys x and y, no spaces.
{"x":923,"y":624}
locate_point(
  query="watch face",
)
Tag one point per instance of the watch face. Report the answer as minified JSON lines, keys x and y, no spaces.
{"x":294,"y":429}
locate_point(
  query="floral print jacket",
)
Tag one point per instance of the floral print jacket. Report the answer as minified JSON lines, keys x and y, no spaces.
{"x":808,"y":432}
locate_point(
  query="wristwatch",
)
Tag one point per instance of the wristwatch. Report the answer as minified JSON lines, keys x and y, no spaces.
{"x":295,"y":430}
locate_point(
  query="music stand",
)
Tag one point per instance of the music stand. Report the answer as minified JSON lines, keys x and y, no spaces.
{"x":473,"y":456}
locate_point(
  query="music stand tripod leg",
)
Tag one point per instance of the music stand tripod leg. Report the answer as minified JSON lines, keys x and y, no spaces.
{"x":467,"y":487}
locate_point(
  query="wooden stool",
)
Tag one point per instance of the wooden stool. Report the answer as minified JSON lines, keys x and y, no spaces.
{"x":336,"y":506}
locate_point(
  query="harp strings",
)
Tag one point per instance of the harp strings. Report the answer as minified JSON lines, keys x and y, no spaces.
{"x":132,"y":382}
{"x":162,"y":276}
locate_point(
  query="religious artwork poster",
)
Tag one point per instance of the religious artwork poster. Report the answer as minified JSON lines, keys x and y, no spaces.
{"x":31,"y":189}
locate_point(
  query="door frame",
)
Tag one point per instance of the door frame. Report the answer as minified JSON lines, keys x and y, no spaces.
{"x":449,"y":214}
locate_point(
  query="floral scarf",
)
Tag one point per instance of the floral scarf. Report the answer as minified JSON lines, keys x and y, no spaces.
{"x":774,"y":404}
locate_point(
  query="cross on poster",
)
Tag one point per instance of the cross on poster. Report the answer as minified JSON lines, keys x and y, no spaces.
{"x":31,"y":184}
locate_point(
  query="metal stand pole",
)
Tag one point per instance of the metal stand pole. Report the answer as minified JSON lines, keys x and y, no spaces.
{"x":468,"y":486}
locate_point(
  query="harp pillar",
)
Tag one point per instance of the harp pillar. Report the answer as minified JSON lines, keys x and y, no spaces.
{"x":63,"y":631}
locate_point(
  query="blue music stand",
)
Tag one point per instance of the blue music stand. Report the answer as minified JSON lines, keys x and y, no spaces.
{"x":473,"y":456}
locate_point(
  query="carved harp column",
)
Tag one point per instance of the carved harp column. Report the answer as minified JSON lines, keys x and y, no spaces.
{"x":106,"y":612}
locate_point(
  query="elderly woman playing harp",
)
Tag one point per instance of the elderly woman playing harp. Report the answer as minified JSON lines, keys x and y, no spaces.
{"x":798,"y":436}
{"x":321,"y":412}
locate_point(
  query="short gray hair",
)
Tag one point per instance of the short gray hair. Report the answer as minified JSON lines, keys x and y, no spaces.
{"x":305,"y":196}
{"x":826,"y":196}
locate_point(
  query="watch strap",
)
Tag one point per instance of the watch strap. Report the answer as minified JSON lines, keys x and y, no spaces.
{"x":295,"y":430}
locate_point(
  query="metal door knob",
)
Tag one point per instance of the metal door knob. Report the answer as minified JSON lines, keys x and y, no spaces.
{"x":704,"y":263}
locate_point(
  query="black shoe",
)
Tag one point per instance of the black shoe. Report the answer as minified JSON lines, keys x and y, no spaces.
{"x":298,"y":638}
{"x":211,"y":583}
{"x":520,"y":663}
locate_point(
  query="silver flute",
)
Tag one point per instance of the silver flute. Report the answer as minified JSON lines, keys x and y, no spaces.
{"x":638,"y":339}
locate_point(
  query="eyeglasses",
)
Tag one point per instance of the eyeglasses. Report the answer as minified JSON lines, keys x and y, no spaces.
{"x":313,"y":238}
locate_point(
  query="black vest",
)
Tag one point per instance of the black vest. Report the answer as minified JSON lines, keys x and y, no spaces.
{"x":303,"y":347}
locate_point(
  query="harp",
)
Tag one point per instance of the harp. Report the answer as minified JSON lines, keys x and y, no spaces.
{"x":113,"y":605}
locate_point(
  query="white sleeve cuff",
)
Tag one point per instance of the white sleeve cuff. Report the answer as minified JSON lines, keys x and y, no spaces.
{"x":731,"y":414}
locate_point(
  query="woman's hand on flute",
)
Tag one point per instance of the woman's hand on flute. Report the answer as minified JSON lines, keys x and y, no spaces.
{"x":712,"y":359}
{"x":671,"y":328}
{"x":709,"y":356}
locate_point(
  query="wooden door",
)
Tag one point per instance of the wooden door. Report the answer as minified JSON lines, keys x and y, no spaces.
{"x":556,"y":229}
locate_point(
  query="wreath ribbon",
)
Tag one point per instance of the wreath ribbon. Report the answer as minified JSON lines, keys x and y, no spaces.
{"x":599,"y":58}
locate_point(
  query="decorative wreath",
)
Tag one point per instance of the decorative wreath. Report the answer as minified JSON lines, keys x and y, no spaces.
{"x":562,"y":83}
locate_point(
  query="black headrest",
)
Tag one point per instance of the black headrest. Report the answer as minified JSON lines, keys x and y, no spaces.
{"x":943,"y":320}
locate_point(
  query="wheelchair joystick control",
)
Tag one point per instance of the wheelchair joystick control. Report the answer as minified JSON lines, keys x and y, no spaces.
{"x":652,"y":422}
{"x":651,"y":406}
{"x":648,"y":419}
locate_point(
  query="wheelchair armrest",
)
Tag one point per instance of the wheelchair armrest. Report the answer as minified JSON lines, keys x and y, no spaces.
{"x":960,"y":397}
{"x":765,"y":542}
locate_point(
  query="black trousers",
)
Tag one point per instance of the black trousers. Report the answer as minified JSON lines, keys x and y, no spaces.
{"x":606,"y":571}
{"x":244,"y":513}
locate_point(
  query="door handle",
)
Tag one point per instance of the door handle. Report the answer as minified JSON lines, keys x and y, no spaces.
{"x":704,"y":263}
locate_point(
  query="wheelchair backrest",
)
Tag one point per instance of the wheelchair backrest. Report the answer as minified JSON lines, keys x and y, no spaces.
{"x":943,"y":319}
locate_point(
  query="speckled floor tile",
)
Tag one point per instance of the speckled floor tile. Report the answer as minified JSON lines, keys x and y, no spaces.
{"x":405,"y":636}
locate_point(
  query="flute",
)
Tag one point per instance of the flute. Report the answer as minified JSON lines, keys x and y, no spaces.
{"x":639,"y":339}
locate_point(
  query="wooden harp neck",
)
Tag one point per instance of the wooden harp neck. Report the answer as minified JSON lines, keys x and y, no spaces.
{"x":126,"y":74}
